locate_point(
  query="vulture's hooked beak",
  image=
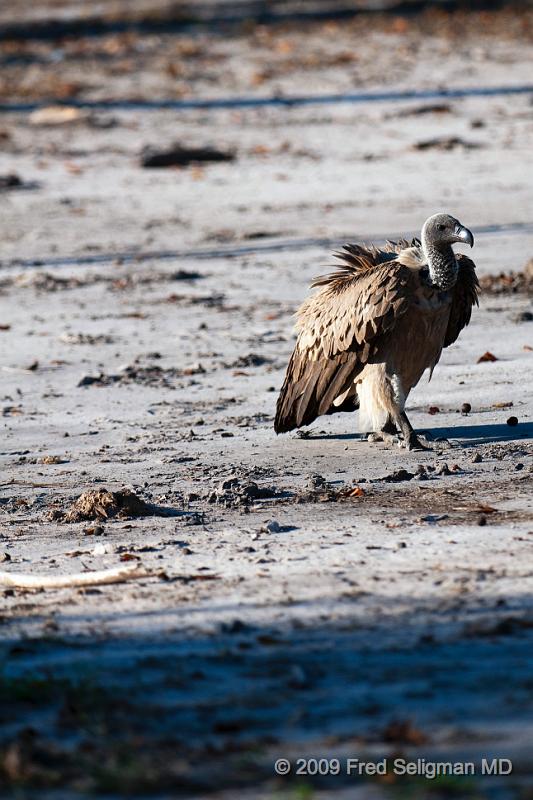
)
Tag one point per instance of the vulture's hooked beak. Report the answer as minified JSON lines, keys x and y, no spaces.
{"x":464,"y":235}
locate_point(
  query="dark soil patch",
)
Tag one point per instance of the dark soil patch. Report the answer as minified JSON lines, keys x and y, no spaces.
{"x":144,"y":376}
{"x":180,"y":156}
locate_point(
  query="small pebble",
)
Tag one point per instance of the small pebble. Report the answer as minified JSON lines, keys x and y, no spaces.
{"x":421,"y":474}
{"x":443,"y":469}
{"x":519,"y":466}
{"x":512,"y":421}
{"x":482,"y":521}
{"x":272,"y":526}
{"x":5,"y":557}
{"x":476,"y":458}
{"x":466,"y":408}
{"x":94,"y":530}
{"x":315,"y":481}
{"x":50,"y":460}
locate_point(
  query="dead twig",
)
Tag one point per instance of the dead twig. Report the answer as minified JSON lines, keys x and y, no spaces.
{"x":22,"y":580}
{"x":33,"y":485}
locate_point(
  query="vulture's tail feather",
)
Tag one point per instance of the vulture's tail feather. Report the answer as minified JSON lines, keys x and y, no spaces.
{"x":310,"y":388}
{"x":287,"y":405}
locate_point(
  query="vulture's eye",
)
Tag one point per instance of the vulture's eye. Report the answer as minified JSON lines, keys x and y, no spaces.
{"x":441,"y":227}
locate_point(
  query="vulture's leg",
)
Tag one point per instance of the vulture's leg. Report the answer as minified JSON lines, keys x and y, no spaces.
{"x":389,"y":427}
{"x":422,"y":441}
{"x":410,"y":439}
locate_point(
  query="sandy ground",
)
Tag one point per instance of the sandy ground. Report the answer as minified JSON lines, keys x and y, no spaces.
{"x":146,"y":324}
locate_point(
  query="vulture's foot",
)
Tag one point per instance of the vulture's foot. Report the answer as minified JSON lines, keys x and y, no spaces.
{"x":414,"y":442}
{"x":383,"y":436}
{"x":388,"y":434}
{"x":429,"y":442}
{"x":422,"y":442}
{"x":410,"y":440}
{"x":435,"y":443}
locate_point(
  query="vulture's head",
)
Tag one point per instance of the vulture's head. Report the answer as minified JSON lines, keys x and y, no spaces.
{"x":442,"y":230}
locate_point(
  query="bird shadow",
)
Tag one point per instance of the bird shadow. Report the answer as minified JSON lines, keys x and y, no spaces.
{"x":472,"y":434}
{"x":485,"y":434}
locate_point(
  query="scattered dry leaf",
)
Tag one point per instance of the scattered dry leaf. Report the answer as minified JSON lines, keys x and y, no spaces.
{"x":488,"y":356}
{"x":129,"y":557}
{"x":485,"y":509}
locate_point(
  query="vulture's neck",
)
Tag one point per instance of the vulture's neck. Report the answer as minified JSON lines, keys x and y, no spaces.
{"x":442,"y":265}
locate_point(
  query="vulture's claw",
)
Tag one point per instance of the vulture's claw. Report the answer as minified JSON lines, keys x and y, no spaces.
{"x":428,"y":442}
{"x":414,"y":443}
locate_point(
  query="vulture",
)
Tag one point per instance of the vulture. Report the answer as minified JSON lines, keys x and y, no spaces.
{"x":374,"y":326}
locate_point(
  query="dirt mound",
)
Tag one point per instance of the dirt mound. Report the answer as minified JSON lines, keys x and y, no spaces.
{"x":101,"y":504}
{"x":234,"y":492}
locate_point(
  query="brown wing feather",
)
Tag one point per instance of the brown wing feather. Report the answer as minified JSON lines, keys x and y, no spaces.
{"x":465,"y":295}
{"x":339,"y":329}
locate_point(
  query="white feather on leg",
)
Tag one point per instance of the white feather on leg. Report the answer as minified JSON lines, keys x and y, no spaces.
{"x":381,"y":397}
